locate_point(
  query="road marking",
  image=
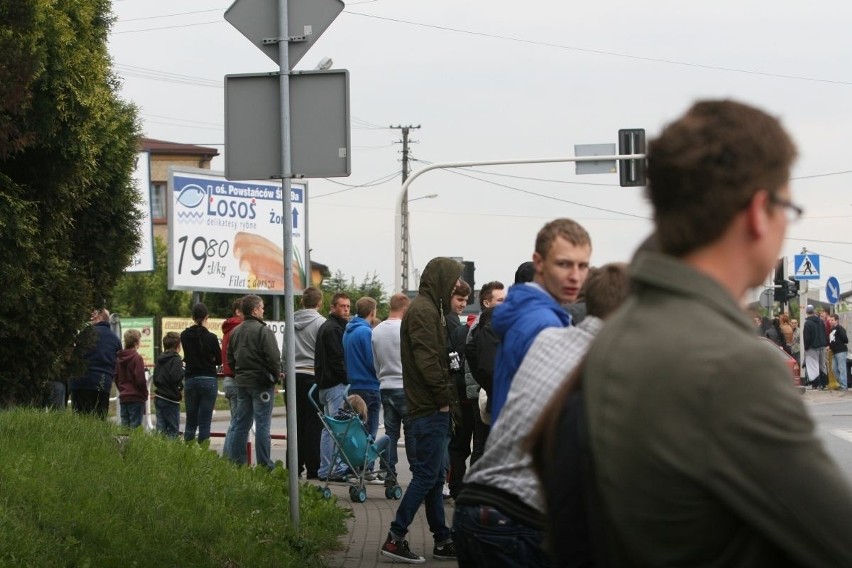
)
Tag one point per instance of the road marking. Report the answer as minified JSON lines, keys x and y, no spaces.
{"x":844,"y":434}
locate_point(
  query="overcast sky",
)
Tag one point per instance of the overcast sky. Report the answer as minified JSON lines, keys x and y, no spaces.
{"x":503,"y":80}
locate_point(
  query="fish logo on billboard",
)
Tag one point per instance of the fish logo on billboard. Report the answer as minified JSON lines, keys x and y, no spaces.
{"x":189,"y":198}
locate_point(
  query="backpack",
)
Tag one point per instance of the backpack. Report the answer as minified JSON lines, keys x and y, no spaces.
{"x":481,"y":351}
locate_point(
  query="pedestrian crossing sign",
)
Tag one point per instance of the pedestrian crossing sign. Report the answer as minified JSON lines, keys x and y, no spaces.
{"x":807,"y":266}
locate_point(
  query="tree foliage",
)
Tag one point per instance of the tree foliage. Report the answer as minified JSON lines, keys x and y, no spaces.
{"x":68,"y":222}
{"x":370,"y":286}
{"x":147,"y":293}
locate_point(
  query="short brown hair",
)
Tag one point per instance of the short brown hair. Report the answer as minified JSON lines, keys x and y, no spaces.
{"x":399,"y":301}
{"x":568,"y":229}
{"x":357,"y":404}
{"x":171,"y":341}
{"x":462,"y":289}
{"x":339,"y":296}
{"x":487,"y":291}
{"x":365,"y":306}
{"x":132,"y":337}
{"x":249,"y":303}
{"x":311,"y":298}
{"x":606,"y":288}
{"x":706,"y":166}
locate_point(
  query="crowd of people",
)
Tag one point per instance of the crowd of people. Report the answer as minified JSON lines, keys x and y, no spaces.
{"x":573,"y":421}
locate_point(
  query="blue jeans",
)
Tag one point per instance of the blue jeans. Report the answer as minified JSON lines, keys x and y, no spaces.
{"x":395,"y":405}
{"x":55,"y":398}
{"x":200,"y":395}
{"x":131,"y":414}
{"x":839,"y":364}
{"x":230,"y":388}
{"x":168,"y":417}
{"x":253,"y":403}
{"x":485,"y":538}
{"x":427,"y":438}
{"x":331,"y":400}
{"x":374,"y":408}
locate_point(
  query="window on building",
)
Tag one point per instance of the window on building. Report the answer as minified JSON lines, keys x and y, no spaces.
{"x":158,"y":202}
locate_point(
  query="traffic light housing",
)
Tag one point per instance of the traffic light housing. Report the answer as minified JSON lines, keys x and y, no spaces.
{"x":792,"y":288}
{"x":467,"y":276}
{"x":781,"y":283}
{"x":631,"y":173}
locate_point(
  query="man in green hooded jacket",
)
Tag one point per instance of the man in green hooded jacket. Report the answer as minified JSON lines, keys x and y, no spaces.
{"x":430,"y":393}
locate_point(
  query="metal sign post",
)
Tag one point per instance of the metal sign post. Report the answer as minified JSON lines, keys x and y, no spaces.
{"x":270,"y":31}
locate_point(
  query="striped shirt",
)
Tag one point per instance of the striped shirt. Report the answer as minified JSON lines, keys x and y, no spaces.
{"x":551,"y":358}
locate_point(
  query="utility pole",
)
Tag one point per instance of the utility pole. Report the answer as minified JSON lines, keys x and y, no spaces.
{"x":405,"y":236}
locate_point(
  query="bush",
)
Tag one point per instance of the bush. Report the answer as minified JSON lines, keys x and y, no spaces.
{"x":76,"y":491}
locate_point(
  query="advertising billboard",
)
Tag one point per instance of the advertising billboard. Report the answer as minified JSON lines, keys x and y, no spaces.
{"x":228,"y":236}
{"x":143,"y":260}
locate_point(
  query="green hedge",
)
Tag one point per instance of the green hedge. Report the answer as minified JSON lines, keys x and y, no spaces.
{"x":77,"y":491}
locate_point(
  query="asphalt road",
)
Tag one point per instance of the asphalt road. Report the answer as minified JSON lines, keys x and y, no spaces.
{"x":831,"y":412}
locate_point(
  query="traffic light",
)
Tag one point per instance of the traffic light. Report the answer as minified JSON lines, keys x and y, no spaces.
{"x":467,"y":276}
{"x":781,"y":283}
{"x":631,"y":173}
{"x":791,"y":288}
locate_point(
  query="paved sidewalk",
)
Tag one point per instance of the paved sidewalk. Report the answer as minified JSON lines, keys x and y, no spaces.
{"x":367,"y":527}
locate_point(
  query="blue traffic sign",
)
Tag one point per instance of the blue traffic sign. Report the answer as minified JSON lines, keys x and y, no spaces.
{"x":832,"y":290}
{"x":807,"y":266}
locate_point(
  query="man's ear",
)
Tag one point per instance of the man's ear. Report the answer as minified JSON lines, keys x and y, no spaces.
{"x":538,"y":262}
{"x":757,"y":214}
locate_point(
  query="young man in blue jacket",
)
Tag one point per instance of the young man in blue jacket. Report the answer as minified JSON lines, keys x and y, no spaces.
{"x":358,"y":356}
{"x":561,"y":260}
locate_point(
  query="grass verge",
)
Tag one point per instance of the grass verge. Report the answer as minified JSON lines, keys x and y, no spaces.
{"x":76,"y":491}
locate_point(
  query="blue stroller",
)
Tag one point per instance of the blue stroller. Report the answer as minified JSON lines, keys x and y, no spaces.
{"x":354,"y":445}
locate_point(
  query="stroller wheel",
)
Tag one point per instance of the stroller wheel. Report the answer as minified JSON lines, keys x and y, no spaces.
{"x":358,"y":494}
{"x":394,"y":492}
{"x":326,"y":492}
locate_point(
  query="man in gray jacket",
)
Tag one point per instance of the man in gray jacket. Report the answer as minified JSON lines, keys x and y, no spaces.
{"x":254,"y":356}
{"x":703,"y":453}
{"x":306,"y":323}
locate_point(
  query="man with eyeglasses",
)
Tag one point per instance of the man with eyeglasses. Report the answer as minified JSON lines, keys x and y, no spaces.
{"x":703,"y":454}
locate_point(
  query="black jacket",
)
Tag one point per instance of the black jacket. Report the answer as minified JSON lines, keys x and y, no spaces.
{"x":839,"y":340}
{"x":168,"y":376}
{"x":201,"y":351}
{"x":481,"y":351}
{"x":329,"y":367}
{"x":814,"y":333}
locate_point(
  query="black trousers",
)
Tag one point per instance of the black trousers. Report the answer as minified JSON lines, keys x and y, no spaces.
{"x":90,"y":402}
{"x":480,"y":435}
{"x":460,"y":448}
{"x":308,"y":426}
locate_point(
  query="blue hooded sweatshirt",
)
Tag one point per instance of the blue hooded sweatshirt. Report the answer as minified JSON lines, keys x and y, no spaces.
{"x":528,"y":309}
{"x":358,"y":355}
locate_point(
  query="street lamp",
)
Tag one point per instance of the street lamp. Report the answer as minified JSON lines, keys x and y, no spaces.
{"x":401,"y":233}
{"x":406,"y":236}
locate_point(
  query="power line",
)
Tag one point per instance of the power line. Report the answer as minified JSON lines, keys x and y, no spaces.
{"x":375,"y":182}
{"x":602,"y":52}
{"x":123,"y":20}
{"x":158,"y":75}
{"x":823,"y":175}
{"x":528,"y":192}
{"x":169,"y":27}
{"x":818,"y":241}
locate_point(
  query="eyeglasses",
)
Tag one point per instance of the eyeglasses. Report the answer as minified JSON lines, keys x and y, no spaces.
{"x":793,"y":211}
